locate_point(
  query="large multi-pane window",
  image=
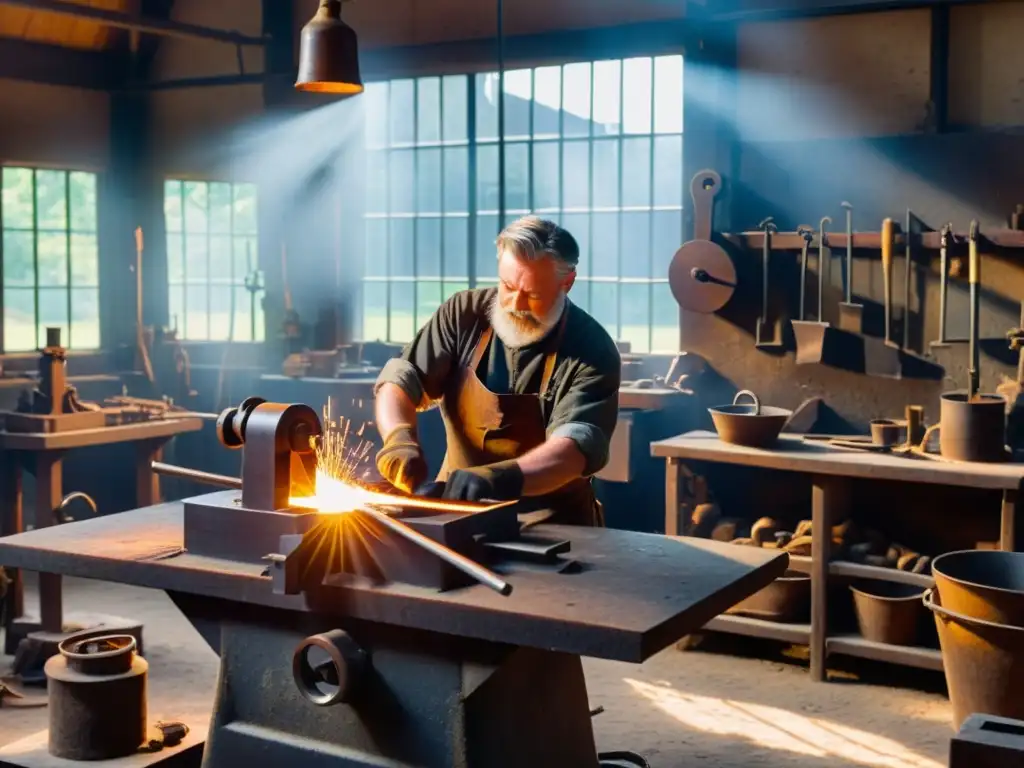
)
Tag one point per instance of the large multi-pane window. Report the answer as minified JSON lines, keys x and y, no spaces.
{"x":50,"y":263}
{"x":596,"y":146}
{"x":211,"y":252}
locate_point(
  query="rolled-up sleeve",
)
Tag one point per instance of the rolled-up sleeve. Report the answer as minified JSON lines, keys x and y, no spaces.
{"x":423,"y":368}
{"x":587,"y":412}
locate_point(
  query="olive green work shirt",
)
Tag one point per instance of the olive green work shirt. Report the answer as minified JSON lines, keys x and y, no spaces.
{"x":582,"y":401}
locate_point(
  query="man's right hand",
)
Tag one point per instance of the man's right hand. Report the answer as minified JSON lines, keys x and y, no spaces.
{"x":401,"y":461}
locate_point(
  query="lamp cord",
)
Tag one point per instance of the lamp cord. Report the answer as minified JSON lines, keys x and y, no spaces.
{"x":501,"y":114}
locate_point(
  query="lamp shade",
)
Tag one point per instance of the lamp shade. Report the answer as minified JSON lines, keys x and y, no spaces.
{"x":329,"y":53}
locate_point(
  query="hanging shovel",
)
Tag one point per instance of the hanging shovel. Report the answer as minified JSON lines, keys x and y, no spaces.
{"x":766,"y":330}
{"x":851,"y":316}
{"x":887,"y":243}
{"x":812,"y":337}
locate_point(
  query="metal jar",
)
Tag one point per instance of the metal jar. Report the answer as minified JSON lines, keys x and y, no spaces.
{"x":972,"y":430}
{"x":983,"y":584}
{"x":983,"y":662}
{"x":97,"y":698}
{"x":889,"y":612}
{"x":787,"y":599}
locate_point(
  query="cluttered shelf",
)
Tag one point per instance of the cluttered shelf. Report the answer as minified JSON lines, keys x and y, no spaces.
{"x":830,"y":546}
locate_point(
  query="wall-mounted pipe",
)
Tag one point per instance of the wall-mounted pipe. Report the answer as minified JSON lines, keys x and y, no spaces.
{"x":164,"y":27}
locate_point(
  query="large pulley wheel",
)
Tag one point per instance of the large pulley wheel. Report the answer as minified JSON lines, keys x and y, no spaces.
{"x":702,"y":277}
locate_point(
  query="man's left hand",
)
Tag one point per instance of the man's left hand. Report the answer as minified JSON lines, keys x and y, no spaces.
{"x":502,"y":481}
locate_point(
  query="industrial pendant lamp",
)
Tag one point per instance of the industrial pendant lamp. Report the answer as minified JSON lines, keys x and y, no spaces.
{"x":329,"y":53}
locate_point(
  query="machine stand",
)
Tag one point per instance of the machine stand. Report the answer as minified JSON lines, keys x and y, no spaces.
{"x":423,"y":699}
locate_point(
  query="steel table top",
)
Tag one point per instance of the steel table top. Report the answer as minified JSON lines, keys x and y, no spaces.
{"x":635,"y":594}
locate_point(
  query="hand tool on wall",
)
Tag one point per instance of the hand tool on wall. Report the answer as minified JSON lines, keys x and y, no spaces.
{"x":851,"y":316}
{"x":887,"y":243}
{"x":974,"y":278}
{"x":945,"y":242}
{"x":824,"y":262}
{"x":760,"y":335}
{"x":808,"y":235}
{"x":908,"y":259}
{"x":140,"y":331}
{"x":811,"y":337}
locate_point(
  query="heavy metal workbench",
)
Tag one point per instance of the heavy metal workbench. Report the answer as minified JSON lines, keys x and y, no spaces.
{"x":442,"y":660}
{"x":42,"y":454}
{"x":831,"y":470}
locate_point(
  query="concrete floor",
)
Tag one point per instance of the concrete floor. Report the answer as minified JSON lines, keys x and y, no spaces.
{"x":722,"y":708}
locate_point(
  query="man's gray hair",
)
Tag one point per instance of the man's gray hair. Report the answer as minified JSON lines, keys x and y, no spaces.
{"x":532,"y":237}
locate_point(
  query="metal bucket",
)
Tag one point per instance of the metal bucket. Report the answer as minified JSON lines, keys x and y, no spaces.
{"x":972,"y":430}
{"x":983,"y":661}
{"x":982,"y":584}
{"x":787,"y":599}
{"x":754,"y":426}
{"x":889,"y":612}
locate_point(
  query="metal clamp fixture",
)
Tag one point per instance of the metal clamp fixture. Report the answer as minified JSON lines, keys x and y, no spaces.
{"x":279,"y":459}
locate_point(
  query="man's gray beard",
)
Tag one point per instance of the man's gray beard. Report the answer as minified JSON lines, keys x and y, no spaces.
{"x":513,"y":335}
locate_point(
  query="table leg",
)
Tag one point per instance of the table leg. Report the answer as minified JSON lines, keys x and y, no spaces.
{"x":829,"y":502}
{"x":49,"y":493}
{"x":672,"y":497}
{"x":147,"y":482}
{"x":1011,"y":527}
{"x":11,"y":522}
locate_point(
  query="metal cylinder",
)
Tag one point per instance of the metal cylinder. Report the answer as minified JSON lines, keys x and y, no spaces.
{"x":329,"y":668}
{"x":97,"y":698}
{"x":972,"y":429}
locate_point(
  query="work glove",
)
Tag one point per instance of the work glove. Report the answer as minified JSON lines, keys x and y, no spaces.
{"x":502,"y":481}
{"x":401,"y":461}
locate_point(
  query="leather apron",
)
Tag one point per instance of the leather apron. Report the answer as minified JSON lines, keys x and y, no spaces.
{"x":483,"y":427}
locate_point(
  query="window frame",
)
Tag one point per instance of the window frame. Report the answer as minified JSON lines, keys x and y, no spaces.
{"x":258,"y":317}
{"x":473,"y":146}
{"x":68,"y":232}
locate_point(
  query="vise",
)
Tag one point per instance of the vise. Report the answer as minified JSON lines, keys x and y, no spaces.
{"x":358,"y":659}
{"x":278,"y":462}
{"x":382,"y":538}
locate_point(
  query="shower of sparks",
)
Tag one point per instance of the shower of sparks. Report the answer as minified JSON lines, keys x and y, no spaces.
{"x":341,"y":456}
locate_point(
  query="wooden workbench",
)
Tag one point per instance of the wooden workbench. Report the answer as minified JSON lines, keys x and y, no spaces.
{"x":831,"y":470}
{"x":42,"y":454}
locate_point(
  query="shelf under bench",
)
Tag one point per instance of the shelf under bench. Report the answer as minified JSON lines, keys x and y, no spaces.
{"x":831,"y":470}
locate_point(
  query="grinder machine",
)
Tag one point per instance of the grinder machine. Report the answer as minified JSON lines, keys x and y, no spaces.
{"x":397,"y":631}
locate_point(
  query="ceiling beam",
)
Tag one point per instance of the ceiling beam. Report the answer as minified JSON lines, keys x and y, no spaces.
{"x":150,"y":45}
{"x":759,"y":10}
{"x":151,"y":26}
{"x":54,"y":65}
{"x":479,"y":55}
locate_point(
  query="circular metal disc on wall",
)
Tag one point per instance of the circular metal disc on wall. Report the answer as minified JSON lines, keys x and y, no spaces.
{"x":702,"y":277}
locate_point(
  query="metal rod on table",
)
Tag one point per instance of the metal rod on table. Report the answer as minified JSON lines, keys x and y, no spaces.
{"x":483,"y":575}
{"x":191,"y":415}
{"x":197,"y":475}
